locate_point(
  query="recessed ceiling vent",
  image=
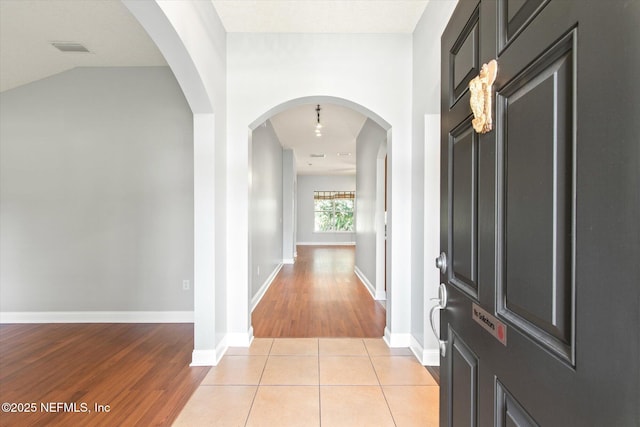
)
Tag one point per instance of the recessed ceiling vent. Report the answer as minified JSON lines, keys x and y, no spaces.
{"x":69,"y":47}
{"x":318,"y":156}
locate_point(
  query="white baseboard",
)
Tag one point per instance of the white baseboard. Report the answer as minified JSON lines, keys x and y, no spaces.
{"x":208,"y":357}
{"x":427,"y":357}
{"x":326,"y":243}
{"x":396,"y":340}
{"x":263,"y":289}
{"x":97,"y":317}
{"x":365,"y":281}
{"x":239,"y":339}
{"x":376,"y":294}
{"x":213,"y":357}
{"x":288,"y":261}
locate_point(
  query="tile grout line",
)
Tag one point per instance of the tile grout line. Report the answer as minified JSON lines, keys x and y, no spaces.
{"x":319,"y":388}
{"x":380,"y":385}
{"x":369,"y":352}
{"x":259,"y":381}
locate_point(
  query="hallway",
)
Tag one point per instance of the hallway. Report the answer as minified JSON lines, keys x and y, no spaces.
{"x":315,"y":382}
{"x":319,"y":296}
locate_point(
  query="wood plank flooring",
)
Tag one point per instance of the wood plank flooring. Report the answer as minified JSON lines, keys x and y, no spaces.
{"x":141,"y":371}
{"x":319,"y":296}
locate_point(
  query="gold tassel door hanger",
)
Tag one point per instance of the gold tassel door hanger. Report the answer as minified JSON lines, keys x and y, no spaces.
{"x":481,"y":88}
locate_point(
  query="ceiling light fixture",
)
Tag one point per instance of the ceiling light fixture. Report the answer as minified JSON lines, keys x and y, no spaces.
{"x":318,"y":124}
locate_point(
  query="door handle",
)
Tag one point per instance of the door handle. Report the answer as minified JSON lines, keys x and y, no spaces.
{"x":441,"y":305}
{"x":441,"y":262}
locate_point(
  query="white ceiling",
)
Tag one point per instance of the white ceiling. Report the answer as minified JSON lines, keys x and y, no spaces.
{"x":115,"y":38}
{"x":320,"y":16}
{"x":105,"y":27}
{"x":295,"y":128}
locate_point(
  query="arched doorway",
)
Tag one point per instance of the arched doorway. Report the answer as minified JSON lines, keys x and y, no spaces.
{"x":164,"y":24}
{"x":287,"y":125}
{"x":226,"y":93}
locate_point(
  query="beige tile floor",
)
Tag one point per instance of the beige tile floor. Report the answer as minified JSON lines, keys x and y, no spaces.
{"x":315,"y":382}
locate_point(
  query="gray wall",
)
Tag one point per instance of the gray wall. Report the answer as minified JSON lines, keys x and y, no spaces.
{"x":96,"y":192}
{"x":307,"y":184}
{"x":288,"y":206}
{"x":265,"y":205}
{"x":368,"y":143}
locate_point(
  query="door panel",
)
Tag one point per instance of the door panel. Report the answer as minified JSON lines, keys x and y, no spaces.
{"x":463,"y":165}
{"x":514,"y":16}
{"x":539,"y":217}
{"x":509,"y":413}
{"x":536,"y":143}
{"x":464,"y":58}
{"x":463,"y":383}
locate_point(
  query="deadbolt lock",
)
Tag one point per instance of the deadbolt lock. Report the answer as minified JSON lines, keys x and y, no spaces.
{"x":441,"y":263}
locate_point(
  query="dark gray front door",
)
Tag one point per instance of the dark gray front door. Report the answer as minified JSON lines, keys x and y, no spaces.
{"x":540,"y":216}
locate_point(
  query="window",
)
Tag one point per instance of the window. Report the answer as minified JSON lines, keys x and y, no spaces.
{"x":333,"y":210}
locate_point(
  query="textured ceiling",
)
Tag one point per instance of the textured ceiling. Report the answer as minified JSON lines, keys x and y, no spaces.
{"x":115,"y":38}
{"x":320,"y":16}
{"x":27,"y":28}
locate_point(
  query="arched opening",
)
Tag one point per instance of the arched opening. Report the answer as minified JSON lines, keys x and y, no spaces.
{"x":225,"y":110}
{"x":272,"y":176}
{"x":164,"y":22}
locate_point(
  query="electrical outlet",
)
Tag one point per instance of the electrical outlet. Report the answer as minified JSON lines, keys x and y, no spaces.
{"x":186,"y":285}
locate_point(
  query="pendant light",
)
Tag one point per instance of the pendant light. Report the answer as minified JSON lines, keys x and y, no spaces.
{"x":318,"y":124}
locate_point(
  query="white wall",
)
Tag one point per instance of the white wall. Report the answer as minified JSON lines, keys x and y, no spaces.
{"x":373,"y":71}
{"x":289,"y":196}
{"x":368,"y":144}
{"x":265,"y":208}
{"x":307,"y":184}
{"x":425,"y":208}
{"x":96,"y":193}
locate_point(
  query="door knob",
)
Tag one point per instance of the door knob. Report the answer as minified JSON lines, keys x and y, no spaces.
{"x":441,"y":305}
{"x":441,"y":262}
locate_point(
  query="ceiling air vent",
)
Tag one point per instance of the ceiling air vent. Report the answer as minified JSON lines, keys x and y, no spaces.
{"x":69,"y":47}
{"x":318,"y":156}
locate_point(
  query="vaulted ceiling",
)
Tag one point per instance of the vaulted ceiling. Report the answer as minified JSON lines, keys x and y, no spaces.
{"x":114,"y":38}
{"x":106,"y":28}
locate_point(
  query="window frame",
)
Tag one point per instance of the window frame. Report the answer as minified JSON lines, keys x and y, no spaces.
{"x":333,"y":195}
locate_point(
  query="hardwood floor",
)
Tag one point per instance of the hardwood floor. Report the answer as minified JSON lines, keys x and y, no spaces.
{"x":319,"y":296}
{"x":141,"y":371}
